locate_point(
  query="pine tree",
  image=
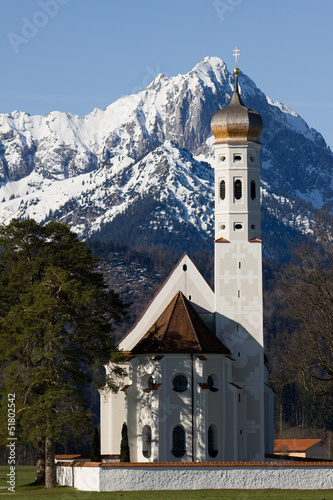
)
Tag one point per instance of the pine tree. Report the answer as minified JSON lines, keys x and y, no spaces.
{"x":56,"y":323}
{"x":124,"y":447}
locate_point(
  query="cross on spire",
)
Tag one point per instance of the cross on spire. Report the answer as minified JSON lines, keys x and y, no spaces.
{"x":236,"y":54}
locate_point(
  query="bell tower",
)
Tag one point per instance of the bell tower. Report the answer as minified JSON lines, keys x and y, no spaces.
{"x":238,"y":264}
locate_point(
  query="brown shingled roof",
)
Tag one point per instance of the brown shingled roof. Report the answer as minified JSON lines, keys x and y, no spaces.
{"x":180,"y":329}
{"x":294,"y":445}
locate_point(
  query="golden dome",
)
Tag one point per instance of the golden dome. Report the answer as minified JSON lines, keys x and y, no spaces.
{"x":235,"y":122}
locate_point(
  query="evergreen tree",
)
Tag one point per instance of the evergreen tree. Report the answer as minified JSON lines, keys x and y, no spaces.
{"x":95,"y":455}
{"x":56,"y":323}
{"x":124,"y":447}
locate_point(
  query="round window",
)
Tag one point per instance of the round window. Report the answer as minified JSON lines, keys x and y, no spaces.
{"x":180,"y":383}
{"x":147,"y":382}
{"x":212,"y":382}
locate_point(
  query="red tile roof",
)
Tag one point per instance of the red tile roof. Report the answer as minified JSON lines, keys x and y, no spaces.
{"x":288,"y":445}
{"x":180,"y":329}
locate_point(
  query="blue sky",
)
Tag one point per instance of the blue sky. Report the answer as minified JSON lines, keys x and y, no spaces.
{"x":75,"y":55}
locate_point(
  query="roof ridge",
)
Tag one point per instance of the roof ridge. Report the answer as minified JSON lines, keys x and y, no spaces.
{"x":180,"y":329}
{"x":189,"y":317}
{"x":170,"y":316}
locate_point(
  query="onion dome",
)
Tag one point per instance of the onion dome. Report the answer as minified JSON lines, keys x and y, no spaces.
{"x":236,"y":123}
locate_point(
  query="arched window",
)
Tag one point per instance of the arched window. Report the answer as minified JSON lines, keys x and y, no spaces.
{"x":238,"y":189}
{"x":222,"y":190}
{"x":146,"y":441}
{"x":253,"y":190}
{"x":178,"y":441}
{"x":212,"y":441}
{"x":180,"y":383}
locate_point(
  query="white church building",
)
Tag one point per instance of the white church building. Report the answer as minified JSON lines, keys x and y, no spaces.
{"x":196,"y":387}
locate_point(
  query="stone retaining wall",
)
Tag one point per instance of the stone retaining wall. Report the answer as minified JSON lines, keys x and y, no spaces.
{"x":93,"y":476}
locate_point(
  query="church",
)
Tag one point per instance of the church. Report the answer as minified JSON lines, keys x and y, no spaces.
{"x":196,"y":387}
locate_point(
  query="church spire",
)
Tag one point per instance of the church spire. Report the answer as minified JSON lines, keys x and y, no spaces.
{"x":238,"y":273}
{"x":236,"y":122}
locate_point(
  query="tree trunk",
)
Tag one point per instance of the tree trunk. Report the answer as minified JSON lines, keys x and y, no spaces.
{"x":40,"y":474}
{"x":50,"y":467}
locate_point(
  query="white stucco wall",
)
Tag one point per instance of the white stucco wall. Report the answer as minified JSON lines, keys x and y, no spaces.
{"x":192,"y":477}
{"x":82,"y":478}
{"x":113,"y":414}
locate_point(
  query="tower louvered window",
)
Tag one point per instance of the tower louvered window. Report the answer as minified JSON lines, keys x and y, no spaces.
{"x":253,"y":190}
{"x":238,"y":189}
{"x":222,"y":190}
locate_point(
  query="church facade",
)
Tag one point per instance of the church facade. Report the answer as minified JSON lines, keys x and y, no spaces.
{"x":196,"y":387}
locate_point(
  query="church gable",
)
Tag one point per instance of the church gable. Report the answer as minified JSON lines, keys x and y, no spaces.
{"x":180,"y":329}
{"x":184,"y":278}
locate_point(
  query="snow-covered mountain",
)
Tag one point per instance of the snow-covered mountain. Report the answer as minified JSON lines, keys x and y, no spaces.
{"x":145,"y":162}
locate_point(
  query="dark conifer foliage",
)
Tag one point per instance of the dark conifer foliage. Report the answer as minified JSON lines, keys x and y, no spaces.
{"x":56,"y":322}
{"x":124,"y":446}
{"x":95,"y":455}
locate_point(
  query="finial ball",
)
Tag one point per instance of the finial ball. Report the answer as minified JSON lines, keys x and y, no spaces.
{"x":236,"y":71}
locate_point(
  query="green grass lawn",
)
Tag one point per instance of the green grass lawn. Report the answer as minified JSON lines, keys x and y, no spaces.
{"x":25,"y":490}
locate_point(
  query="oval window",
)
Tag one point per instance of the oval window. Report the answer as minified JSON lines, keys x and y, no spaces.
{"x":253,"y":190}
{"x":237,"y":158}
{"x":146,"y":441}
{"x":238,"y":226}
{"x":212,"y":441}
{"x":222,"y":190}
{"x":179,"y":383}
{"x":178,"y":441}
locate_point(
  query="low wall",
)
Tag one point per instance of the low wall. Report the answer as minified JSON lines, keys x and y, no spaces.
{"x":195,"y":476}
